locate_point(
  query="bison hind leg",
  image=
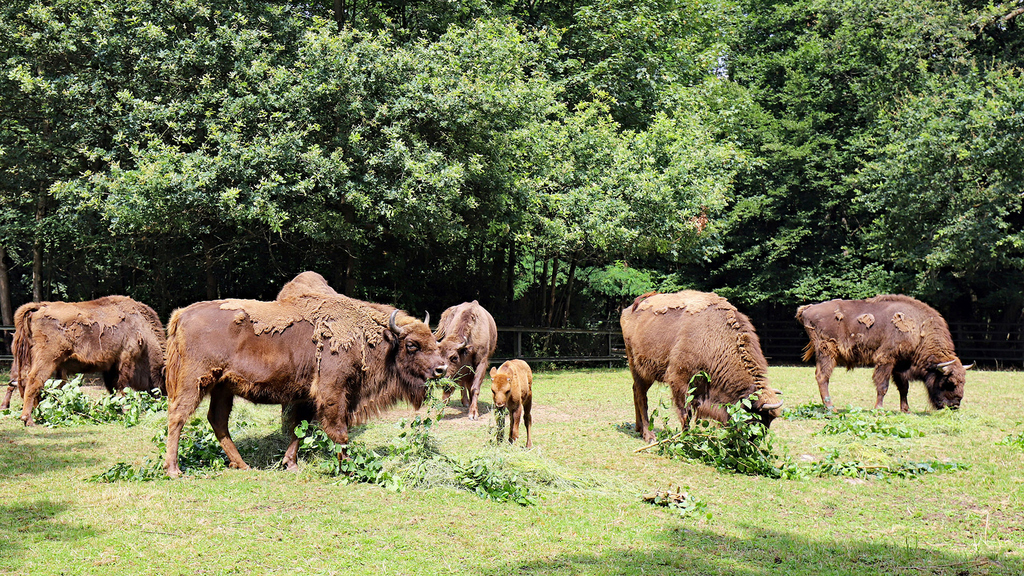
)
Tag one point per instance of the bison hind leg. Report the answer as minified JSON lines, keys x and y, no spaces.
{"x":640,"y":388}
{"x":221,"y":401}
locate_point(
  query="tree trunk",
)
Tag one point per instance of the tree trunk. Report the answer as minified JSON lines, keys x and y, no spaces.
{"x":554,"y":292}
{"x":567,"y":298}
{"x":37,"y":249}
{"x":543,"y":291}
{"x":339,"y":12}
{"x":211,"y":278}
{"x":6,"y":309}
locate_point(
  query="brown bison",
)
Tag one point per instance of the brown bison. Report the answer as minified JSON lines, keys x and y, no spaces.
{"x":512,"y":387}
{"x":671,"y":338}
{"x":901,"y":337}
{"x":468,"y":337}
{"x":115,"y":335}
{"x":341,"y":359}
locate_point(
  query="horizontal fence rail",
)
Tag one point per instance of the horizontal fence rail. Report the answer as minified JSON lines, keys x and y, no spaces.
{"x":998,"y":345}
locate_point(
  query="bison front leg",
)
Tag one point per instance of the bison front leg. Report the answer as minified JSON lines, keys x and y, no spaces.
{"x":822,"y":373}
{"x":291,"y":416}
{"x":881,"y":378}
{"x":7,"y":397}
{"x":474,"y":389}
{"x":640,"y":388}
{"x":222,"y":400}
{"x":903,"y":386}
{"x":528,"y":420}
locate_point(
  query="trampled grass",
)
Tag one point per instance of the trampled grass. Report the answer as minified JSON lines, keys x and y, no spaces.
{"x":588,"y":482}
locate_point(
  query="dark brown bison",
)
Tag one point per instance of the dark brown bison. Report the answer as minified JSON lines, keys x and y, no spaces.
{"x":468,"y":337}
{"x":901,"y":337}
{"x":115,"y":335}
{"x":671,"y":338}
{"x":339,"y":359}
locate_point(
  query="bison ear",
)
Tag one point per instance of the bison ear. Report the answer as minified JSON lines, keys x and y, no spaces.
{"x":494,"y":371}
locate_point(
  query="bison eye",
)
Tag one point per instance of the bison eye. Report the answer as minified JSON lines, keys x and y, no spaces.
{"x":453,"y":358}
{"x":411,"y":347}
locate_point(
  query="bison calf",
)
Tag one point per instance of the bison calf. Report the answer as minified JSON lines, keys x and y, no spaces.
{"x":673,"y":337}
{"x":512,"y":387}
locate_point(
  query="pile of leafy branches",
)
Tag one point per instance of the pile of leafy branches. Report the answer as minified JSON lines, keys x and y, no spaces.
{"x":70,"y":406}
{"x":1014,"y":440}
{"x":834,"y":465}
{"x":863,"y":423}
{"x":744,"y":445}
{"x":199,"y":453}
{"x":413,"y":460}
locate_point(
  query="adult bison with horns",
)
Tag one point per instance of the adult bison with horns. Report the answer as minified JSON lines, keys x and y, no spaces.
{"x":115,"y":335}
{"x":903,"y":338}
{"x":673,"y":337}
{"x":345,"y":359}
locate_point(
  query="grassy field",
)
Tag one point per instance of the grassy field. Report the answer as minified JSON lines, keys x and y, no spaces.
{"x":589,"y":517}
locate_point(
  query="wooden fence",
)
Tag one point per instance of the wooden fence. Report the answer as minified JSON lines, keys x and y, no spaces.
{"x":992,"y":345}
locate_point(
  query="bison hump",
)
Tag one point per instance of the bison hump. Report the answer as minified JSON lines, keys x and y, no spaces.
{"x":690,"y":301}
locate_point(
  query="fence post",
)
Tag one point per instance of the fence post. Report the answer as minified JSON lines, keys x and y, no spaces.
{"x":519,"y":343}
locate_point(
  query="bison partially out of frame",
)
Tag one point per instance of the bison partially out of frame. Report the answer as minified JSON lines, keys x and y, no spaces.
{"x":115,"y":335}
{"x":903,"y":338}
{"x":342,"y":359}
{"x":671,"y":338}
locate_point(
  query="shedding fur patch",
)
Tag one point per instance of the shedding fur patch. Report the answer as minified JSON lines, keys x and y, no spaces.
{"x":839,"y":315}
{"x":691,"y":301}
{"x":903,"y":323}
{"x":337,"y":320}
{"x":866,"y":319}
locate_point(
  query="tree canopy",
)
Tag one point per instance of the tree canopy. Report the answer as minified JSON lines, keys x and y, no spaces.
{"x":551,"y":159}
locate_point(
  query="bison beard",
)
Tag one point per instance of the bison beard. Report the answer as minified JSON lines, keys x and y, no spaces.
{"x":903,"y":338}
{"x":325,"y":354}
{"x":115,"y":335}
{"x":468,"y":336}
{"x":672,"y":337}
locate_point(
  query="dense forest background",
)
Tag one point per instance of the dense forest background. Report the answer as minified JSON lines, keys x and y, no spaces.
{"x":552,"y":159}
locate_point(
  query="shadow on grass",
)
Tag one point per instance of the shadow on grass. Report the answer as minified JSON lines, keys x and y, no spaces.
{"x":22,"y":525}
{"x":22,"y":452}
{"x":766,"y":551}
{"x":266,"y":452}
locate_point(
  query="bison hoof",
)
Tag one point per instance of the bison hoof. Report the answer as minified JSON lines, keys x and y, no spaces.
{"x":174,"y":472}
{"x":650,"y":437}
{"x":238,"y":465}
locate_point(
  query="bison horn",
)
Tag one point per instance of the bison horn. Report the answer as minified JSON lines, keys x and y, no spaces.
{"x":392,"y":324}
{"x":427,"y":320}
{"x":969,"y":366}
{"x":772,"y":406}
{"x":946,"y":363}
{"x":777,"y":391}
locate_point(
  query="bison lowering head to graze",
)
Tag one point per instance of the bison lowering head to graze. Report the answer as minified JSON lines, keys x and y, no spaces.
{"x":672,"y":337}
{"x":114,"y":335}
{"x":901,"y":337}
{"x":342,"y":359}
{"x":468,"y":336}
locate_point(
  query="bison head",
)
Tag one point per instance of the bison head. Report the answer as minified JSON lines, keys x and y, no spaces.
{"x":417,"y":357}
{"x":501,"y":385}
{"x":945,"y":383}
{"x":455,"y":350}
{"x":767,"y":405}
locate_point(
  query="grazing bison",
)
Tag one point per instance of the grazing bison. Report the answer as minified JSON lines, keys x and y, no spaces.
{"x":901,"y":337}
{"x":114,"y":335}
{"x":512,"y":386}
{"x":468,"y":336}
{"x":324,"y":354}
{"x":673,"y":337}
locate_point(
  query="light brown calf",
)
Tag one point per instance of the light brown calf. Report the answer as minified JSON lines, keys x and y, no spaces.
{"x":512,"y":386}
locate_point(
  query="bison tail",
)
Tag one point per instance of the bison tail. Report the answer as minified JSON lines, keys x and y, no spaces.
{"x":22,"y":345}
{"x":643,"y":297}
{"x":808,"y":351}
{"x":175,"y":349}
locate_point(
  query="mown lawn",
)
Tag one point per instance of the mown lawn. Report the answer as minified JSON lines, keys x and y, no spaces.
{"x":589,"y":517}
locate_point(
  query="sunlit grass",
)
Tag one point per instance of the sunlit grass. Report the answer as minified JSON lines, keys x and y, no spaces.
{"x":589,"y":517}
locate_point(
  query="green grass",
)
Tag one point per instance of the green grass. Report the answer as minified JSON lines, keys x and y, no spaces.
{"x":588,"y":482}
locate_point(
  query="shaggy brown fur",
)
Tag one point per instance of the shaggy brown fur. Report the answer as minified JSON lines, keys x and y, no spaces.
{"x":512,"y":387}
{"x":115,"y":335}
{"x":468,"y":337}
{"x":901,"y":337}
{"x":672,"y":337}
{"x":222,"y":349}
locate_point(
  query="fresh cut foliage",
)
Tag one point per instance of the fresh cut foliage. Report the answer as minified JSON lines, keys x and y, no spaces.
{"x":68,"y":405}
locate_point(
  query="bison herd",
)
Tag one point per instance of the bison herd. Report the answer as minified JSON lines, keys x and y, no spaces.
{"x":323,"y":355}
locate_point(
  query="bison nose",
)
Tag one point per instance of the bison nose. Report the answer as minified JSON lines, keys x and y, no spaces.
{"x":440,"y":370}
